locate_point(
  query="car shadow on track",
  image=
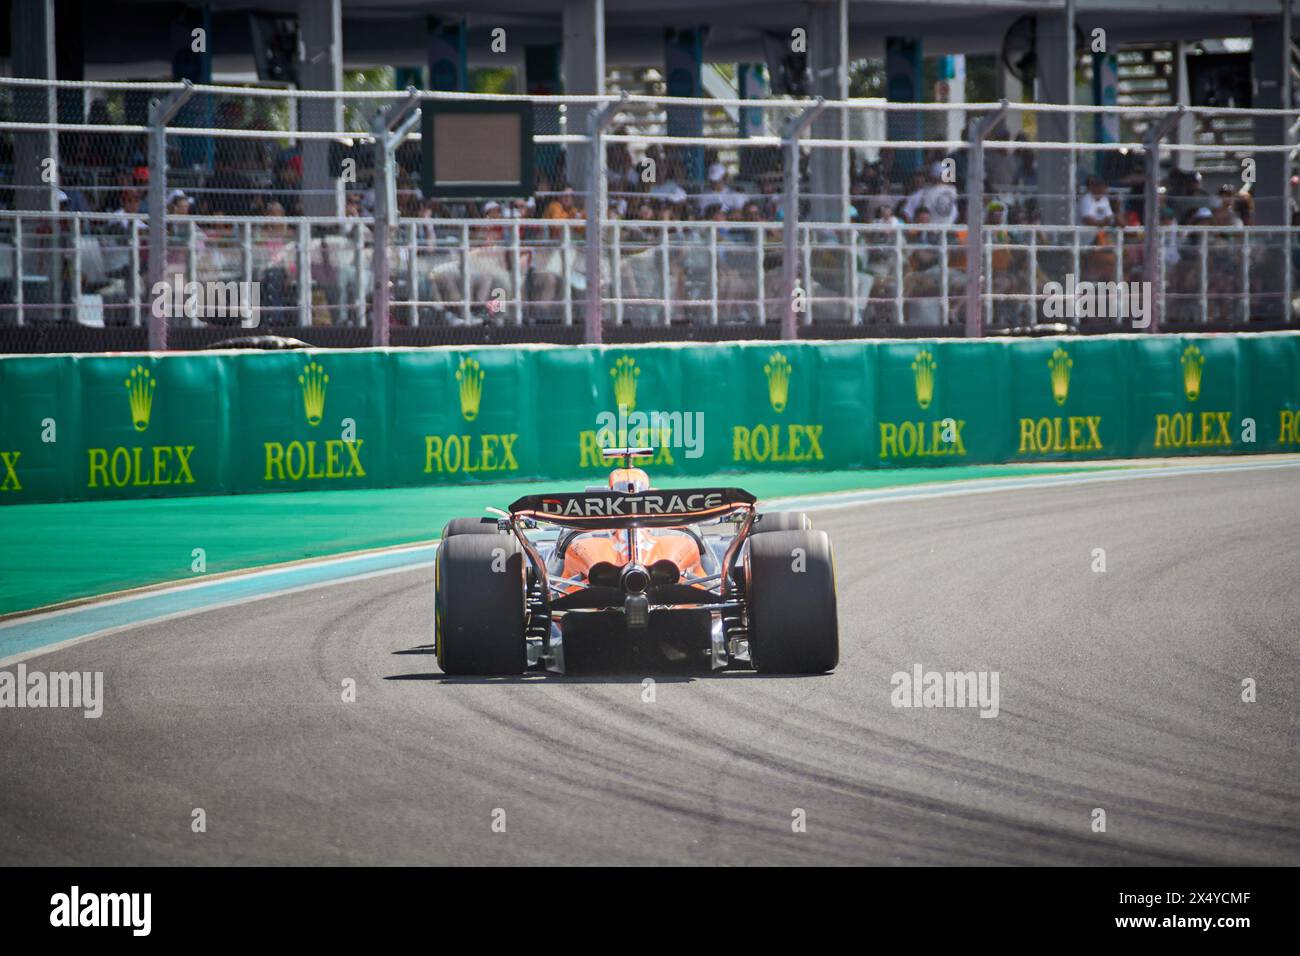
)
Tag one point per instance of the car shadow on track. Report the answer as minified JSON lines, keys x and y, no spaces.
{"x":547,"y":677}
{"x":630,"y":675}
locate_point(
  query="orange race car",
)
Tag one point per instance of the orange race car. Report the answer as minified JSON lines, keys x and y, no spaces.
{"x":626,"y":574}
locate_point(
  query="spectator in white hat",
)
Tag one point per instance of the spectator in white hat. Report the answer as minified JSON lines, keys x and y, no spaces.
{"x":720,"y":194}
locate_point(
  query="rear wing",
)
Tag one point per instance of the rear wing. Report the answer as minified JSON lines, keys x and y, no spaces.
{"x":661,"y":507}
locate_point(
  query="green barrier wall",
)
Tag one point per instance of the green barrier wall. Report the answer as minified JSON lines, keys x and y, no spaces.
{"x":89,"y":427}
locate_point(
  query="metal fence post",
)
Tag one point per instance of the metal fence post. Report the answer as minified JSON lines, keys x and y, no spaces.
{"x":900,"y":260}
{"x":379,"y":248}
{"x":390,"y":127}
{"x":516,"y":271}
{"x":1288,"y":103}
{"x":944,"y":304}
{"x":464,"y":272}
{"x":975,"y":220}
{"x":794,"y":127}
{"x":1153,"y":260}
{"x":19,"y":278}
{"x":133,"y":286}
{"x":75,"y":291}
{"x":855,"y":317}
{"x":713,"y":273}
{"x":161,"y":112}
{"x":665,"y":274}
{"x":616,"y":270}
{"x":808,"y":273}
{"x":303,"y":240}
{"x":1288,"y":237}
{"x":566,"y":277}
{"x":192,"y":265}
{"x":597,"y":122}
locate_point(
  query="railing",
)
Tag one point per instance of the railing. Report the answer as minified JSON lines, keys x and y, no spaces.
{"x":91,"y":268}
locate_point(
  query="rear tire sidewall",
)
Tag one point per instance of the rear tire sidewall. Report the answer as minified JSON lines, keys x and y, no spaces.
{"x":480,"y":597}
{"x":790,"y":593}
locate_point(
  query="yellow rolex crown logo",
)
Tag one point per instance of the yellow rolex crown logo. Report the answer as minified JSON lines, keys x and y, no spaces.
{"x":777,"y":371}
{"x":313,"y":381}
{"x":470,"y":375}
{"x":923,"y":370}
{"x":1193,"y":363}
{"x":1060,"y":364}
{"x":140,"y":385}
{"x":624,"y":374}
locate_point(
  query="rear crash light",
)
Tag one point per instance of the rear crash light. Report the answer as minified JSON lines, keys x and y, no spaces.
{"x":636,"y":611}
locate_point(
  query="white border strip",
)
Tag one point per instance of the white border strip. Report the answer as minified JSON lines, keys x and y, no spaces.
{"x":233,"y":602}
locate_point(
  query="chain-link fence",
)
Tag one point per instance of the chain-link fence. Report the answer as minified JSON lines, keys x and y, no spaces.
{"x":825,"y":219}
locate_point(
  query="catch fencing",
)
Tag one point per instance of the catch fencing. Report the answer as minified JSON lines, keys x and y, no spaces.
{"x":792,"y":224}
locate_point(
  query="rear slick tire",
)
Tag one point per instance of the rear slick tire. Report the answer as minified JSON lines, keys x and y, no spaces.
{"x":768,"y":521}
{"x":480,"y":593}
{"x":469,"y":526}
{"x":790,"y":590}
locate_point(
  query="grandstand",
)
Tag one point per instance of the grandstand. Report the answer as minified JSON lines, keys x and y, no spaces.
{"x":719,"y":171}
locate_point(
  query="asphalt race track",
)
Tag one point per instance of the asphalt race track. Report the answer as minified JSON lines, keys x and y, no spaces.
{"x":1118,"y":690}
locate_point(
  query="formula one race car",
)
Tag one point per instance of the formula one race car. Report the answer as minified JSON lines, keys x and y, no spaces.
{"x":629,"y":575}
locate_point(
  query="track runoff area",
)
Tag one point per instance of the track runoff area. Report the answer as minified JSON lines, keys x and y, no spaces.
{"x":1131,"y":634}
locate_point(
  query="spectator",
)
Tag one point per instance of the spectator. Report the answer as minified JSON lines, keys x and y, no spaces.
{"x":995,"y":216}
{"x":1244,"y":207}
{"x":923,"y":258}
{"x":961,"y":159}
{"x":546,"y":278}
{"x":563,"y":206}
{"x":938,"y":198}
{"x":275,"y":263}
{"x":906,"y":207}
{"x":179,"y":234}
{"x":670,"y":188}
{"x":128,"y":207}
{"x":1169,"y":237}
{"x":1134,"y":247}
{"x":1094,"y":205}
{"x":178,"y":204}
{"x":1026,"y":164}
{"x":286,"y":182}
{"x":999,"y":165}
{"x":621,"y":173}
{"x":1225,"y":212}
{"x":885,"y":216}
{"x":490,"y":261}
{"x":1224,"y":217}
{"x":720,"y":194}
